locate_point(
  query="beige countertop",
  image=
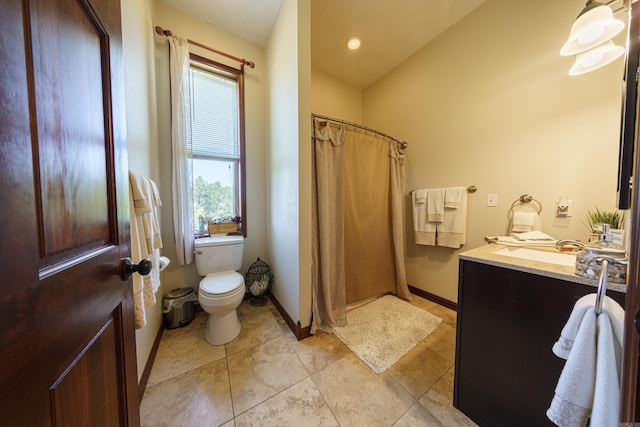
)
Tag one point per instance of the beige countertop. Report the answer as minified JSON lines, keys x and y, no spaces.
{"x":486,"y":255}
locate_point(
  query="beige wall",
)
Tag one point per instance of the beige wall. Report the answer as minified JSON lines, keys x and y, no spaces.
{"x":141,"y":128}
{"x":148,"y":131}
{"x":287,"y":58}
{"x":304,"y":158}
{"x":489,"y":103}
{"x":334,"y":98}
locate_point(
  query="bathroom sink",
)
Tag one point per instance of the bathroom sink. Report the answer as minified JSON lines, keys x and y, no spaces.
{"x":539,"y":255}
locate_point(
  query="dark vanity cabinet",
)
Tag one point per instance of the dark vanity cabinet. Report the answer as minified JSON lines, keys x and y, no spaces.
{"x":508,"y":320}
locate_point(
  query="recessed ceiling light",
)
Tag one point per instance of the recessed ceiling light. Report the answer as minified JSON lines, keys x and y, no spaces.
{"x":353,"y":43}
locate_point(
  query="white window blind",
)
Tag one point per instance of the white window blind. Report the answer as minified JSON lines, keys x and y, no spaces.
{"x":214,"y":116}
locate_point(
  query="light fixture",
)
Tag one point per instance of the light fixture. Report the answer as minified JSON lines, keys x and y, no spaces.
{"x":595,"y":58}
{"x":353,"y":43}
{"x":594,"y":26}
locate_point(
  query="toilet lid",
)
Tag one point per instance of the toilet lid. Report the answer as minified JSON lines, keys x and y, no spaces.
{"x":221,"y":283}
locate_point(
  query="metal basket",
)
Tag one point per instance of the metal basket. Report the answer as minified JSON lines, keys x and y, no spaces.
{"x":258,"y":280}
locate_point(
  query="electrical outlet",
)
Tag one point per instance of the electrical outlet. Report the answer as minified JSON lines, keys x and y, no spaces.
{"x":492,"y":200}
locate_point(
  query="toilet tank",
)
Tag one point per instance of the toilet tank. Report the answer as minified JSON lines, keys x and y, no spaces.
{"x":216,"y":254}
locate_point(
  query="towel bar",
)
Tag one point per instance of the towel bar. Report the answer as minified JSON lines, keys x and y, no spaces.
{"x":470,"y":189}
{"x":602,"y":281}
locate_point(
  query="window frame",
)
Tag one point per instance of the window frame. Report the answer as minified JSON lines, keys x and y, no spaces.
{"x":227,"y":71}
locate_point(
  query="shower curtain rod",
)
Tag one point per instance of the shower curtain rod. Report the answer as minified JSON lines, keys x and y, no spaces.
{"x":167,"y":33}
{"x":403,"y":144}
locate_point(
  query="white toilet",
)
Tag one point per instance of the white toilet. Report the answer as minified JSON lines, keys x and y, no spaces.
{"x":222,"y":289}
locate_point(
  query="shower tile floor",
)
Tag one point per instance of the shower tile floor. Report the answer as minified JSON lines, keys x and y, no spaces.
{"x":265,"y":377}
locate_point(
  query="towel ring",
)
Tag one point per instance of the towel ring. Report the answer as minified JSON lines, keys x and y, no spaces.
{"x":522,"y":200}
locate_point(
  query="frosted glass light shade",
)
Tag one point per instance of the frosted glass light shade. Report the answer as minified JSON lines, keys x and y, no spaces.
{"x":595,"y":58}
{"x":594,"y":26}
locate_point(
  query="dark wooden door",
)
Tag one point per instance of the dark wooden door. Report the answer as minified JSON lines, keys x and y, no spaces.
{"x":67,"y":342}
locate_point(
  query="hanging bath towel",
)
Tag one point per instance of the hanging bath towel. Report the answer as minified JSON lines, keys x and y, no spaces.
{"x":452,"y":231}
{"x":424,"y":232}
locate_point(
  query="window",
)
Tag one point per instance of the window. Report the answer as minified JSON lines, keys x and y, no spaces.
{"x":214,"y":107}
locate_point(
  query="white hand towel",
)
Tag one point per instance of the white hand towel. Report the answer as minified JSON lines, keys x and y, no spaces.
{"x":563,"y":346}
{"x":573,"y":399}
{"x":140,"y":192}
{"x":523,"y":221}
{"x":424,"y":231}
{"x":421,"y":195}
{"x":452,"y":231}
{"x":435,"y":205}
{"x":453,"y":197}
{"x":606,"y":396}
{"x":589,"y":384}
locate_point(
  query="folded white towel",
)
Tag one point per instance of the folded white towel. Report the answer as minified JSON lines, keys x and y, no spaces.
{"x":421,"y":195}
{"x":424,"y":232}
{"x":512,"y":241}
{"x":532,"y":235}
{"x":589,"y":384}
{"x":452,"y":231}
{"x":523,"y":221}
{"x":501,"y":240}
{"x":435,"y":205}
{"x":453,"y":197}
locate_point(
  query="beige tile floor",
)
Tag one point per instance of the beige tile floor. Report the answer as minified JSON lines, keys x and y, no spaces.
{"x":265,"y":377}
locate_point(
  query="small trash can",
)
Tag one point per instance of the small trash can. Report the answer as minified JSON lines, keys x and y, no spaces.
{"x":177,"y":307}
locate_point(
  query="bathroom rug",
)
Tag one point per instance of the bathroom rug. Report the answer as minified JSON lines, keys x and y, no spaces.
{"x":382,"y":331}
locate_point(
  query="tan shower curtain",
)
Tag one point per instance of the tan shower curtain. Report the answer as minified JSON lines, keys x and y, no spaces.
{"x":358,"y":245}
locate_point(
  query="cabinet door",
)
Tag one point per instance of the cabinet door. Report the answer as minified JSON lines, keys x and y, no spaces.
{"x":508,"y":321}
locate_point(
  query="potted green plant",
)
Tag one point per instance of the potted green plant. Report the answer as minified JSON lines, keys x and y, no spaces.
{"x":596,"y":218}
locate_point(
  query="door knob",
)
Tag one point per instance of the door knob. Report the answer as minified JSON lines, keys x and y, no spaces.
{"x":127,"y":268}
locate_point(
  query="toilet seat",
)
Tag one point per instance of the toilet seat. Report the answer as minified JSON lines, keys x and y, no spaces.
{"x":218,"y":285}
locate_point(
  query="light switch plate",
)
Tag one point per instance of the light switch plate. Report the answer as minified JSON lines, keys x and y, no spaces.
{"x":492,"y":200}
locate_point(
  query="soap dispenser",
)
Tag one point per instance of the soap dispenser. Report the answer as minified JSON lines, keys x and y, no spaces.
{"x":605,"y":237}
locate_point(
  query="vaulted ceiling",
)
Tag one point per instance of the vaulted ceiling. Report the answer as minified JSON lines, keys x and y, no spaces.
{"x":391,"y":31}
